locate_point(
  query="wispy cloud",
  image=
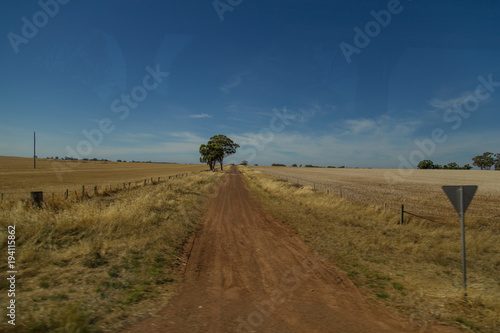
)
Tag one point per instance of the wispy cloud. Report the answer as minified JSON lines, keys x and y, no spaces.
{"x":357,"y":126}
{"x":187,"y":137}
{"x":201,"y":115}
{"x":382,"y":125}
{"x":453,"y":101}
{"x":235,"y":82}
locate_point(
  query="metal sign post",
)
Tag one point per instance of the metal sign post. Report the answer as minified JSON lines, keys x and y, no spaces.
{"x":460,"y":197}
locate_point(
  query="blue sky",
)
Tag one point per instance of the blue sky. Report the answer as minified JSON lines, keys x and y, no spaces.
{"x":379,"y":84}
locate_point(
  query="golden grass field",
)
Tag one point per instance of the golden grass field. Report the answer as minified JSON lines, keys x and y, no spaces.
{"x":420,"y":191}
{"x":18,"y":178}
{"x":98,"y":264}
{"x":415,"y":268}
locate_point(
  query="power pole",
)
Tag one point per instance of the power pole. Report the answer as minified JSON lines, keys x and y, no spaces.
{"x":34,"y":150}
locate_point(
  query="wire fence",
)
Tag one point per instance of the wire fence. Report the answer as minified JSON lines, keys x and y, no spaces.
{"x":84,"y":191}
{"x":349,"y":193}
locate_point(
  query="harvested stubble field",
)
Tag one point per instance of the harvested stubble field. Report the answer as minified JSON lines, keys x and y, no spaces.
{"x":420,"y":191}
{"x":18,"y":178}
{"x":414,"y":268}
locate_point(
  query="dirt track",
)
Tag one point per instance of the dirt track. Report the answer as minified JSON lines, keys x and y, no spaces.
{"x":248,"y":273}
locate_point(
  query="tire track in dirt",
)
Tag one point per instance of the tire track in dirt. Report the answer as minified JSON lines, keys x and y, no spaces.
{"x":248,"y":273}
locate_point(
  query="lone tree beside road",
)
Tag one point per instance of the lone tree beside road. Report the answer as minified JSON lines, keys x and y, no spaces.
{"x":216,"y":149}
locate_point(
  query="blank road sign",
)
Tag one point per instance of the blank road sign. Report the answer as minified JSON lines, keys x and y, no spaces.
{"x":453,"y":193}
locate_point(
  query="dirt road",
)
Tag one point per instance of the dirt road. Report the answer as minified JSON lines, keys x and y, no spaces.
{"x":248,"y":273}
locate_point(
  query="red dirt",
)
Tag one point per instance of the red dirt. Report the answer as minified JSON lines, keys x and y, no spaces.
{"x":248,"y":273}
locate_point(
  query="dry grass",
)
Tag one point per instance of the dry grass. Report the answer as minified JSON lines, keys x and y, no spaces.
{"x":18,"y":178}
{"x":420,"y":191}
{"x":415,"y":268}
{"x":102,"y":262}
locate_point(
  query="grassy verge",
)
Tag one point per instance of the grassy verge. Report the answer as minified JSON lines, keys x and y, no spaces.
{"x":95,"y":265}
{"x":415,"y":268}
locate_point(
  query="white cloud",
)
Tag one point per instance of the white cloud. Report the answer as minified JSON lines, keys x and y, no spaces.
{"x":201,"y":115}
{"x":324,"y":149}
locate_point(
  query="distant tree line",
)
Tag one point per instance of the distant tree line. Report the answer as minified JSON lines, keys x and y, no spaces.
{"x":484,"y":162}
{"x":98,"y":160}
{"x":76,"y":159}
{"x":306,"y":166}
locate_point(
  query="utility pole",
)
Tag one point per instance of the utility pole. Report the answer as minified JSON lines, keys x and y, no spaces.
{"x":34,"y":150}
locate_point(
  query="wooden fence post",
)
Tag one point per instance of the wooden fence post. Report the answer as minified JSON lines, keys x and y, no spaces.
{"x":83,"y":191}
{"x":95,"y":190}
{"x":402,"y":214}
{"x":1,"y":198}
{"x":66,"y":194}
{"x":37,"y":198}
{"x":145,"y":181}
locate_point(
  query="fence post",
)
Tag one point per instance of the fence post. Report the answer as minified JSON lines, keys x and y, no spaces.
{"x":402,"y":214}
{"x":385,"y":207}
{"x":340,"y":193}
{"x":66,"y":195}
{"x":1,"y":198}
{"x":145,"y":180}
{"x":95,"y":191}
{"x":37,"y":198}
{"x":83,"y":191}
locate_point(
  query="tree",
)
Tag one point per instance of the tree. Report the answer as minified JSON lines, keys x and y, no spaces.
{"x":217,"y":148}
{"x":294,"y":165}
{"x":426,"y":164}
{"x":227,"y":145}
{"x":497,"y":162}
{"x":244,"y":163}
{"x":210,"y":154}
{"x":452,"y":165}
{"x":467,"y":167}
{"x":484,"y":161}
